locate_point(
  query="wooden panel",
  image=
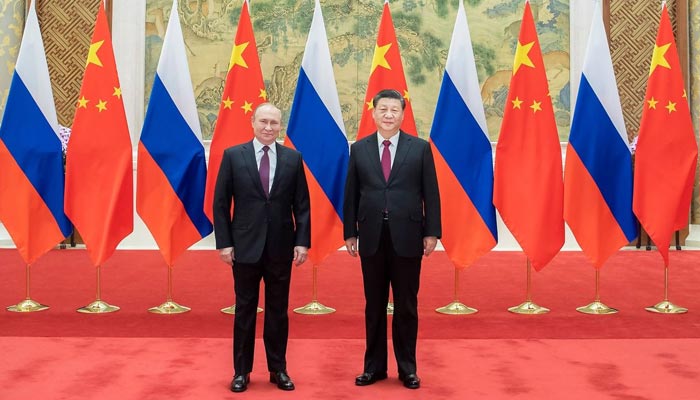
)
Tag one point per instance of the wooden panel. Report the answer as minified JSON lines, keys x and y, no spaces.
{"x":66,"y":27}
{"x":632,"y":28}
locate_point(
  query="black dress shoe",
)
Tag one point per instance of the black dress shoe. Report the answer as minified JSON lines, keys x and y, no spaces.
{"x":282,"y":380}
{"x":411,"y":381}
{"x":240,"y":383}
{"x":368,"y":378}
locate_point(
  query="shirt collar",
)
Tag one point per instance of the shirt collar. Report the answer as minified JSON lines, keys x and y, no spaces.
{"x":257,"y":146}
{"x":394,"y":139}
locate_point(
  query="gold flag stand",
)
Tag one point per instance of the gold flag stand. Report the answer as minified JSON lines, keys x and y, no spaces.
{"x":169,"y":307}
{"x":390,"y":306}
{"x":314,"y":307}
{"x":596,"y":307}
{"x":27,"y":305}
{"x":666,"y":307}
{"x":528,"y":306}
{"x":456,"y":307}
{"x":232,"y":310}
{"x":98,"y":306}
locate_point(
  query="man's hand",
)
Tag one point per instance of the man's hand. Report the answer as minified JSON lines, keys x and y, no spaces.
{"x":429,"y":243}
{"x":351,"y":246}
{"x":300,"y":254}
{"x":226,"y":255}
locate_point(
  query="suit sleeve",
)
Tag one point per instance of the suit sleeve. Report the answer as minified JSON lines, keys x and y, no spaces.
{"x":351,"y":198}
{"x":223,"y":195}
{"x":302,"y":208}
{"x":431,"y":196}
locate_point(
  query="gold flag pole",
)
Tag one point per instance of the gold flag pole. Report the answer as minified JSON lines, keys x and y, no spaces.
{"x":169,"y":307}
{"x":456,"y":307}
{"x":314,"y":307}
{"x":528,"y":306}
{"x":27,"y":305}
{"x":666,"y":307}
{"x":596,"y":307}
{"x":98,"y":306}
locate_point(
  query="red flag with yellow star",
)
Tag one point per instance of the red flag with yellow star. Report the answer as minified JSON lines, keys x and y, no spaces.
{"x":666,"y":152}
{"x":99,"y":171}
{"x":528,"y":183}
{"x":243,"y":92}
{"x":386,"y":73}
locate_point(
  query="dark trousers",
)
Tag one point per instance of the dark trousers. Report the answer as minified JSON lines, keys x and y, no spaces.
{"x":380,"y":270}
{"x":277,"y":276}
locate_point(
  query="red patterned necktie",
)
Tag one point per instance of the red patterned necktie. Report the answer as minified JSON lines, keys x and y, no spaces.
{"x":386,"y":160}
{"x":265,"y":171}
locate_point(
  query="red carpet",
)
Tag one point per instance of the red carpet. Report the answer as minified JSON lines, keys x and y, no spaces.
{"x":177,"y":368}
{"x":493,"y":354}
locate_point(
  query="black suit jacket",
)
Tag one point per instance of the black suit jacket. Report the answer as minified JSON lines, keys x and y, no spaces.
{"x":411,"y":196}
{"x":284,"y":219}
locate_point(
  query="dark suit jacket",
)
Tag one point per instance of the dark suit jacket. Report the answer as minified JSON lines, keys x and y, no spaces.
{"x":411,"y":196}
{"x":284,"y":219}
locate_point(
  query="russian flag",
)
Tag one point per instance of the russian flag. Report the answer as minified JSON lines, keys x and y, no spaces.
{"x":598,"y":173}
{"x":316,"y":129}
{"x":171,"y":164}
{"x":31,"y":160}
{"x":463,"y":156}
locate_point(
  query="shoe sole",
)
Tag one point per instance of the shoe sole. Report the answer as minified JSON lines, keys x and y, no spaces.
{"x":367,"y":383}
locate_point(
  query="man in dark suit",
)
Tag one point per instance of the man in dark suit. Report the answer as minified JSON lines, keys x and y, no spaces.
{"x":392,"y":204}
{"x":269,"y":229}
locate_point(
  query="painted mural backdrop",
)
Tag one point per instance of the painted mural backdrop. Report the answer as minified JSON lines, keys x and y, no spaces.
{"x":11,"y":26}
{"x":423,"y":27}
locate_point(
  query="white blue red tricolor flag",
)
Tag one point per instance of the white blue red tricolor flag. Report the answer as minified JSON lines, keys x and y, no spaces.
{"x":171,"y":164}
{"x":31,"y":160}
{"x":463,"y":156}
{"x":598,"y":172}
{"x":316,"y":129}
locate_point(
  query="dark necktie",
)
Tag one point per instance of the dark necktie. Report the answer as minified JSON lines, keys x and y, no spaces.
{"x":265,"y":171}
{"x":386,"y":160}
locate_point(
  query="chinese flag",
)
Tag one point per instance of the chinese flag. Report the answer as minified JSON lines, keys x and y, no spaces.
{"x":99,"y":170}
{"x":243,"y":92}
{"x":386,"y":73}
{"x":666,"y":150}
{"x":528,"y":183}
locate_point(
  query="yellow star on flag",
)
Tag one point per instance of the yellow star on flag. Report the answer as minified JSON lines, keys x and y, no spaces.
{"x":370,"y":106}
{"x":82,"y":102}
{"x":227,"y":103}
{"x":101,"y":105}
{"x":659,"y":57}
{"x":379,"y":58}
{"x":685,"y":95}
{"x":237,"y":56}
{"x":517,"y":102}
{"x":521,"y":56}
{"x":536,"y":106}
{"x":263,"y":94}
{"x":652,"y":103}
{"x":406,"y":96}
{"x":92,"y":54}
{"x":247,"y":107}
{"x":671,"y":107}
{"x":117,"y":92}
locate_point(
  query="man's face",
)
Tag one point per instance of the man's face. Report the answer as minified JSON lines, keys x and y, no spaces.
{"x":267,"y":124}
{"x":388,"y":115}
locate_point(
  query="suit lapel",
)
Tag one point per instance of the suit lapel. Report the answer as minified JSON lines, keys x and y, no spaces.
{"x":248,"y":152}
{"x":281,"y":157}
{"x":372,"y":149}
{"x":402,"y":148}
